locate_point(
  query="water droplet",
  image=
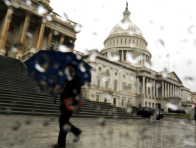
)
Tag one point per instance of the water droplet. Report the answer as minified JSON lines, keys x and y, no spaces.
{"x":132,"y":33}
{"x":78,"y":28}
{"x":81,"y":66}
{"x":56,"y":32}
{"x":42,"y":63}
{"x":66,"y":127}
{"x":41,"y":86}
{"x":29,"y":35}
{"x":172,"y":106}
{"x":129,"y":110}
{"x":101,"y":121}
{"x":160,"y":43}
{"x":94,"y":33}
{"x":124,"y":24}
{"x":28,"y":2}
{"x":44,"y":20}
{"x":46,"y":123}
{"x":113,"y":56}
{"x":65,"y":48}
{"x":192,"y":29}
{"x":41,"y":10}
{"x":7,"y":2}
{"x":28,"y":121}
{"x":189,"y":63}
{"x":78,"y":57}
{"x":189,"y":80}
{"x":16,"y":126}
{"x":93,"y":54}
{"x":16,"y":5}
{"x":49,"y":17}
{"x":65,"y":17}
{"x":17,"y":47}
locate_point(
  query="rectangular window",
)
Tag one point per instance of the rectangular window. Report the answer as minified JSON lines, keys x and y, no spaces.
{"x":125,"y":55}
{"x":105,"y":100}
{"x":99,"y":68}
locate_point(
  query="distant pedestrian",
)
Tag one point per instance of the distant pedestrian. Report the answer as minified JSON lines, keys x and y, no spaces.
{"x":69,"y":102}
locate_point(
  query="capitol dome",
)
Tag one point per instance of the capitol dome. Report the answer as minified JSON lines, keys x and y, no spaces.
{"x":126,"y":27}
{"x":126,"y":37}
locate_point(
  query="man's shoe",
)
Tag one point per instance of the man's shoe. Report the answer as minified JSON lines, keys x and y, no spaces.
{"x":77,"y":137}
{"x":58,"y":146}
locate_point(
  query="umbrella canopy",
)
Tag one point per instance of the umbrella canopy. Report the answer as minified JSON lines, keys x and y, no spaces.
{"x":49,"y":67}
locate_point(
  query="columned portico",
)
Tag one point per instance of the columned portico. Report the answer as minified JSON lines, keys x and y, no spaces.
{"x":41,"y":34}
{"x":143,"y":84}
{"x":3,"y":31}
{"x":24,"y":31}
{"x":162,"y":88}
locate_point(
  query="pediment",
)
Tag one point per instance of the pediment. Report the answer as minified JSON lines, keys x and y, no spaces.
{"x":173,"y":76}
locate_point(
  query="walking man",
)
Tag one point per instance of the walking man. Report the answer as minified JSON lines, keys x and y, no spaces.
{"x":69,"y":103}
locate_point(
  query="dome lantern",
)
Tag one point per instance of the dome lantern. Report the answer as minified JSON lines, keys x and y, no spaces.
{"x":126,"y":13}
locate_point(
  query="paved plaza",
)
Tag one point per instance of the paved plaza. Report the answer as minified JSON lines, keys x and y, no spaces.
{"x":42,"y":132}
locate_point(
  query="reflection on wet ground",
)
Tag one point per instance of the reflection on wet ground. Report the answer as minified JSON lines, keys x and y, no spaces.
{"x":42,"y":132}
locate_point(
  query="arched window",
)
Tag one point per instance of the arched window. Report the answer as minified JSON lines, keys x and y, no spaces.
{"x":116,"y":74}
{"x":125,"y":41}
{"x":115,"y":85}
{"x":129,"y":41}
{"x":145,"y":104}
{"x":152,"y":105}
{"x":121,"y":41}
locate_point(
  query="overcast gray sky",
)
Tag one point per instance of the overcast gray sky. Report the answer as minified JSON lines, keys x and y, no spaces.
{"x":172,"y":21}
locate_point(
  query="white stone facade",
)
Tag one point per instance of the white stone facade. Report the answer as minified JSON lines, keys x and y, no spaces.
{"x":121,"y":81}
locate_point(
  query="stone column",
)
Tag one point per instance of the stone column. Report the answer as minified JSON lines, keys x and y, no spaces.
{"x":168,"y":90}
{"x":162,"y":88}
{"x":153,"y":88}
{"x":157,"y":91}
{"x":143,"y":89}
{"x":41,"y":35}
{"x":3,"y":31}
{"x":147,"y":86}
{"x":122,"y":55}
{"x":137,"y":86}
{"x":24,"y":31}
{"x":173,"y":91}
{"x":49,"y":37}
{"x":73,"y":42}
{"x":165,"y":89}
{"x":61,"y":39}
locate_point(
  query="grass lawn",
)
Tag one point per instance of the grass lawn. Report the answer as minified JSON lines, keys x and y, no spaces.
{"x":177,"y":115}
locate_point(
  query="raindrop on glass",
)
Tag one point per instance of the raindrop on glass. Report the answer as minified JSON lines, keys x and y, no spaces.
{"x":78,"y":28}
{"x":101,"y":121}
{"x":28,"y":2}
{"x":42,"y":63}
{"x":81,"y":66}
{"x":93,"y":54}
{"x":56,"y":32}
{"x":7,"y":2}
{"x":65,"y":17}
{"x":49,"y":17}
{"x":16,"y":126}
{"x":44,"y":20}
{"x":41,"y":10}
{"x":65,"y":48}
{"x":113,"y":56}
{"x":29,"y":35}
{"x":160,"y":43}
{"x":66,"y":127}
{"x":192,"y":29}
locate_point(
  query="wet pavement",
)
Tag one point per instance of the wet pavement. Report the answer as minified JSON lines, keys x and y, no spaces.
{"x":42,"y":132}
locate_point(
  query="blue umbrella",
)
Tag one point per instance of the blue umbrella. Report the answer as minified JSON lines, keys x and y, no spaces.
{"x":49,"y":67}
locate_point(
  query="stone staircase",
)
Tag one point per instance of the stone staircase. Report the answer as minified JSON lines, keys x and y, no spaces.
{"x":19,"y":96}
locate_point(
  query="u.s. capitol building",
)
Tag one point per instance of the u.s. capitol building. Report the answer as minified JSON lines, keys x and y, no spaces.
{"x":122,"y":72}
